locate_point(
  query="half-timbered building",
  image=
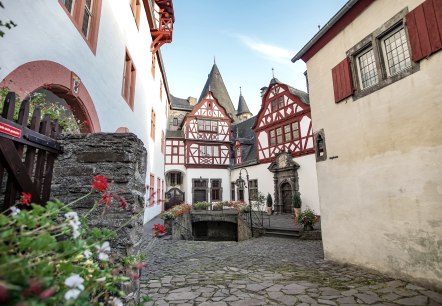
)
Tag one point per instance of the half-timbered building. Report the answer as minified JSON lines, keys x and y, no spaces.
{"x":208,"y":143}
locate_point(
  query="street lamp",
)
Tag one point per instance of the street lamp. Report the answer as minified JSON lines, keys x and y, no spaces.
{"x":241,"y":184}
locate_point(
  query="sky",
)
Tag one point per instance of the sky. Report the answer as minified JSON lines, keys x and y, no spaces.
{"x":246,"y":38}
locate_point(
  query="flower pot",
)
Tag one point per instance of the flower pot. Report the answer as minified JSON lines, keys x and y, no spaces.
{"x":308,"y":227}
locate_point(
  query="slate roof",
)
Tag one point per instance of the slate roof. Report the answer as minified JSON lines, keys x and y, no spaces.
{"x":174,"y":134}
{"x":301,"y":94}
{"x":246,"y":136}
{"x":242,"y":106}
{"x":216,"y":85}
{"x":179,"y":103}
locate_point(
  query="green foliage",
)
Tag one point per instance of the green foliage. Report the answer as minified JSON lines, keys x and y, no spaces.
{"x":269,"y":200}
{"x":296,"y":201}
{"x":307,"y":217}
{"x":8,"y":24}
{"x":175,"y":211}
{"x":200,"y":205}
{"x":217,"y":206}
{"x":41,"y":248}
{"x":55,"y":110}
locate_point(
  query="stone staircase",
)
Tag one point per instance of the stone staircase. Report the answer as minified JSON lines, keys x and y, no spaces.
{"x":293,"y":233}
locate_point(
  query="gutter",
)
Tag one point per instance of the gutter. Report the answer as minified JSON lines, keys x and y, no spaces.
{"x":325,"y":29}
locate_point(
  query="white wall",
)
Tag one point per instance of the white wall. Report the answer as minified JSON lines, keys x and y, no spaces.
{"x":381,"y":197}
{"x":45,"y":32}
{"x":308,"y":186}
{"x":207,"y":173}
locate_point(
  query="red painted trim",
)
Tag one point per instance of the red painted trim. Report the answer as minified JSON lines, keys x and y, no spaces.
{"x":207,"y":166}
{"x":341,"y":24}
{"x":294,"y":154}
{"x":55,"y":77}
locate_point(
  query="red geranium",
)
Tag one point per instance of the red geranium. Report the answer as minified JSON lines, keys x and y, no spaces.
{"x":106,"y":198}
{"x":122,"y":203}
{"x":25,"y":198}
{"x":158,"y":229}
{"x":99,"y":182}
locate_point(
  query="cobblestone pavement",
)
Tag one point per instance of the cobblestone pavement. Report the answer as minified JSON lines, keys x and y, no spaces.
{"x":265,"y":271}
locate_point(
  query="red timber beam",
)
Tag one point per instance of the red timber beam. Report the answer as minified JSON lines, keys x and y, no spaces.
{"x":163,"y":34}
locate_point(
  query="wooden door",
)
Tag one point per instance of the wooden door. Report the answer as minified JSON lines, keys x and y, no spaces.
{"x":286,"y":193}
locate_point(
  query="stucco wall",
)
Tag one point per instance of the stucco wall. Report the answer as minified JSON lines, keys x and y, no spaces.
{"x":381,"y":197}
{"x":307,"y":181}
{"x":55,"y":38}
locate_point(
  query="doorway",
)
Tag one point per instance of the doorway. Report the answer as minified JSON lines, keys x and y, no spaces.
{"x":286,"y":194}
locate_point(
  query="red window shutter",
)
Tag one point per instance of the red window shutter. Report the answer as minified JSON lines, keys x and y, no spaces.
{"x":424,"y":25}
{"x":342,"y":82}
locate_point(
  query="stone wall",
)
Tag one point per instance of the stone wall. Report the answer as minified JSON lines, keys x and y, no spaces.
{"x":182,"y":228}
{"x":122,"y":159}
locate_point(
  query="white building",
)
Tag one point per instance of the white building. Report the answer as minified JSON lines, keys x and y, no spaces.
{"x":102,"y":57}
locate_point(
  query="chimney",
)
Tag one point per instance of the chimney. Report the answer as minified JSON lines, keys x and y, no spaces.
{"x":192,"y":101}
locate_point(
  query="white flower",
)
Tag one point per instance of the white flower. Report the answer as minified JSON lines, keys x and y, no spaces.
{"x":74,"y":281}
{"x":117,"y":302}
{"x":72,"y":294}
{"x":72,"y":215}
{"x":74,"y":223}
{"x":102,"y":250}
{"x":14,"y":211}
{"x":87,"y":254}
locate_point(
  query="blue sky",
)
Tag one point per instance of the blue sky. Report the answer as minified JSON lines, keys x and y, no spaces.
{"x":247,"y":37}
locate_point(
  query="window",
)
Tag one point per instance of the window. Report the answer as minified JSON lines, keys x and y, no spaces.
{"x":216,"y":190}
{"x":232,"y":191}
{"x":175,"y":121}
{"x":85,"y":15}
{"x":395,"y":50}
{"x":175,"y":178}
{"x":136,"y":9}
{"x":209,"y":150}
{"x":240,"y":194}
{"x":158,"y":190}
{"x":281,"y":102}
{"x":287,"y":132}
{"x":295,"y":130}
{"x":199,"y":190}
{"x":175,"y":150}
{"x":151,"y":190}
{"x":380,"y":59}
{"x":368,"y":75}
{"x":207,"y":125}
{"x":152,"y":68}
{"x":320,"y":149}
{"x":279,"y":135}
{"x":162,"y":192}
{"x":152,"y":124}
{"x":272,"y":137}
{"x":238,"y":155}
{"x":274,"y":106}
{"x":253,"y":189}
{"x":162,"y":141}
{"x":129,"y":75}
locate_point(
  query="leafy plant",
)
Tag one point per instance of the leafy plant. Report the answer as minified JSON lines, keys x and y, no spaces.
{"x":54,"y":110}
{"x":175,"y":212}
{"x":50,"y":256}
{"x":296,"y":201}
{"x":8,"y":24}
{"x":308,"y":217}
{"x":200,"y":205}
{"x":269,"y":200}
{"x":217,"y":206}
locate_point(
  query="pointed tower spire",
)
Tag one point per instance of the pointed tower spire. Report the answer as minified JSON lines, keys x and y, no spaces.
{"x":216,"y":85}
{"x":243,"y":112}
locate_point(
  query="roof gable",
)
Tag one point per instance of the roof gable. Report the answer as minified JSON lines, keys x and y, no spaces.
{"x":209,"y":107}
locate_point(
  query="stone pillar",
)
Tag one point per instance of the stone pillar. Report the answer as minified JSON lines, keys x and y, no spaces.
{"x":122,"y":159}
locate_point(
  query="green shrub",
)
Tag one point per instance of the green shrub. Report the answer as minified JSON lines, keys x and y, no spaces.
{"x":217,"y":206}
{"x":200,"y":205}
{"x":296,"y":201}
{"x":269,"y":200}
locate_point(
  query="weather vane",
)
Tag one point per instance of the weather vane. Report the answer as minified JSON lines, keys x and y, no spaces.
{"x":273,"y":72}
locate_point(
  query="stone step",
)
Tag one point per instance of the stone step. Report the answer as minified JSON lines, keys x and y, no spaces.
{"x":286,"y":233}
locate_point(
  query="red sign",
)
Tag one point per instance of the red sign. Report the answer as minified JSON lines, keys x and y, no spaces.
{"x":10,"y":130}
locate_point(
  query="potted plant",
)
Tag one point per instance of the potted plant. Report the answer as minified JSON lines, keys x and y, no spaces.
{"x":297,"y":202}
{"x":308,"y":218}
{"x":269,"y":204}
{"x":200,"y":206}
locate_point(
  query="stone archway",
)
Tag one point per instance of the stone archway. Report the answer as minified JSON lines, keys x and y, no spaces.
{"x":61,"y":81}
{"x":285,"y":180}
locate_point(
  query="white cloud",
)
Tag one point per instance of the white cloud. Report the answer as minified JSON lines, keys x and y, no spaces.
{"x":270,"y":52}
